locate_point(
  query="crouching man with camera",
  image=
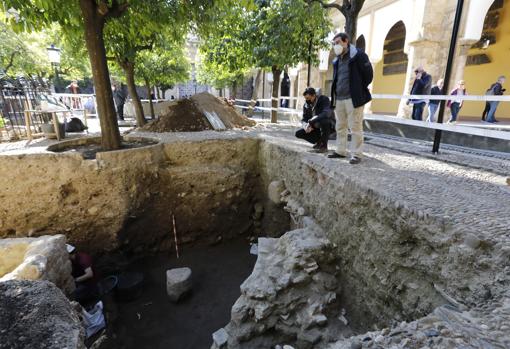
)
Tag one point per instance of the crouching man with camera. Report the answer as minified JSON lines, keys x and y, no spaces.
{"x":318,"y":120}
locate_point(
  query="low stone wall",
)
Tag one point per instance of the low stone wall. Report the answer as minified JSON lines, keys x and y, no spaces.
{"x":43,"y":258}
{"x":404,"y":258}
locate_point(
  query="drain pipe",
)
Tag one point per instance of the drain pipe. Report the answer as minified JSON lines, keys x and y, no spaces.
{"x":448,"y":72}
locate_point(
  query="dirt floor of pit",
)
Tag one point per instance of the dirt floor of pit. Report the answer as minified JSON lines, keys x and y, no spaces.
{"x":218,"y":271}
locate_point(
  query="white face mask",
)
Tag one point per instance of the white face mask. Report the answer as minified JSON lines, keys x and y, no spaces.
{"x":338,"y":49}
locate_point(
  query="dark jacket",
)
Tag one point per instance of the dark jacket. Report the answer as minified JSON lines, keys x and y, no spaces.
{"x":422,"y":86}
{"x":285,"y":85}
{"x":318,"y":111}
{"x":435,"y":91}
{"x":120,"y":94}
{"x":360,"y":76}
{"x":497,"y":89}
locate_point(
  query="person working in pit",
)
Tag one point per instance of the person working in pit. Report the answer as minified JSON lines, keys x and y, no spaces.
{"x":84,"y":277}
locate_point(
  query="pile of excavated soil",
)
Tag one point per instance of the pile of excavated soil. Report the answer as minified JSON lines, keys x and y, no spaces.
{"x":36,"y":314}
{"x":188,"y":115}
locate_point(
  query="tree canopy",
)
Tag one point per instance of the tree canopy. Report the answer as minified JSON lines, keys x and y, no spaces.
{"x":265,"y":34}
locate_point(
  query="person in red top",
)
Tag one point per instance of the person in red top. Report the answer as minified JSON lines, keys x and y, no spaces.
{"x":84,"y":276}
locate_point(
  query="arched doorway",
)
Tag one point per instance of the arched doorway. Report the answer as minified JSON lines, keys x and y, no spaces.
{"x":390,"y":72}
{"x":488,"y":58}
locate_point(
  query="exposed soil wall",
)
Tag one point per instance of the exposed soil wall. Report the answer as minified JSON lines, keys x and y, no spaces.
{"x":87,"y":200}
{"x":127,"y":199}
{"x":210,"y":187}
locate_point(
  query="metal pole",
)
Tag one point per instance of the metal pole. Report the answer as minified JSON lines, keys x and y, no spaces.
{"x":56,"y":77}
{"x":309,"y":62}
{"x":448,"y":72}
{"x":263,"y":91}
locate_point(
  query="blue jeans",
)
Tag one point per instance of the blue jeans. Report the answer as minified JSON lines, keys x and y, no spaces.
{"x":432,"y":112}
{"x":455,"y":107}
{"x":492,"y":111}
{"x":418,"y":110}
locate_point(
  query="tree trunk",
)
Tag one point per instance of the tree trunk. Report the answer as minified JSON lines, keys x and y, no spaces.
{"x":254,"y":94}
{"x":351,"y":25}
{"x":221,"y":92}
{"x":129,"y":70}
{"x":274,"y":101}
{"x":94,"y":24}
{"x":158,"y":93}
{"x":234,"y":89}
{"x":149,"y":92}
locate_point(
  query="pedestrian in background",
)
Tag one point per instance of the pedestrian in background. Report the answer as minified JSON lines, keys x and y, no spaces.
{"x":285,"y":90}
{"x":456,"y":103}
{"x":421,"y":86}
{"x":496,"y":89}
{"x":434,"y":103}
{"x":74,"y":89}
{"x":119,"y":96}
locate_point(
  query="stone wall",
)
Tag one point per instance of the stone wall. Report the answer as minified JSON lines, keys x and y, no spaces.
{"x":290,"y":297}
{"x":43,"y":258}
{"x":395,"y":260}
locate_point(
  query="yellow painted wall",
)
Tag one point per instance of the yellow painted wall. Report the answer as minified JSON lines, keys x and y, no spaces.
{"x":479,"y":77}
{"x":391,"y":84}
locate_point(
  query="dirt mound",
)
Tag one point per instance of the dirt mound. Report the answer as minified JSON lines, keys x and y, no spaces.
{"x":207,"y":103}
{"x":183,"y":116}
{"x":188,"y":115}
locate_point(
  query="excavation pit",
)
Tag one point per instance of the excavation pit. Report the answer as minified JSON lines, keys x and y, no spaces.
{"x":413,"y":265}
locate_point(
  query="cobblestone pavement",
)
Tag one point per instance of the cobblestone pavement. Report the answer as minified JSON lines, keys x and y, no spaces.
{"x":491,"y":161}
{"x":456,"y":187}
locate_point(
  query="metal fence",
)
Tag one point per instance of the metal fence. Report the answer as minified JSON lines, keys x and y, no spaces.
{"x":23,"y":102}
{"x":16,"y":96}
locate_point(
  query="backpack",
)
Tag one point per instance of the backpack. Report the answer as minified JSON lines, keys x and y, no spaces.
{"x":490,"y":91}
{"x":75,"y":125}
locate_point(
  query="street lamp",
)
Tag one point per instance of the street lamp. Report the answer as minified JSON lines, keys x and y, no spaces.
{"x":54,"y":57}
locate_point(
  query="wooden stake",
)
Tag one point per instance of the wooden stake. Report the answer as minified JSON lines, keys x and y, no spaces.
{"x":175,"y":237}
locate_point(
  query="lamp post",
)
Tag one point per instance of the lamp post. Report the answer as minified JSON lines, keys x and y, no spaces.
{"x":448,"y":72}
{"x":54,"y":57}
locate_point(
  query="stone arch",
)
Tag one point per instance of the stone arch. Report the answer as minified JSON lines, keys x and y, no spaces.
{"x":476,"y":17}
{"x":384,"y":19}
{"x":361,"y":43}
{"x":394,"y":58}
{"x":390,"y":72}
{"x":487,"y":58}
